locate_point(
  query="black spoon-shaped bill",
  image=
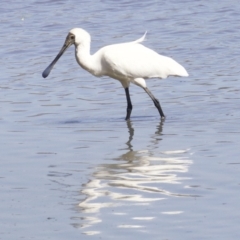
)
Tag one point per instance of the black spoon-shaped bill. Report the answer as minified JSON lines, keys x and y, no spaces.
{"x":51,"y":65}
{"x":69,"y":41}
{"x":47,"y":71}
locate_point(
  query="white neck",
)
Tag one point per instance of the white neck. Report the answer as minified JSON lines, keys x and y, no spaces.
{"x":85,"y":59}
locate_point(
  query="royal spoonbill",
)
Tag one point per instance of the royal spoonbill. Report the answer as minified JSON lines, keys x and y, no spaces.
{"x":129,"y":62}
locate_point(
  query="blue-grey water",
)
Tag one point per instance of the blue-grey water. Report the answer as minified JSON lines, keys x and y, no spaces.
{"x":71,"y":167}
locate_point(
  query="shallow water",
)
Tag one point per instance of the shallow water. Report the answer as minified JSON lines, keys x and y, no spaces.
{"x":71,"y":167}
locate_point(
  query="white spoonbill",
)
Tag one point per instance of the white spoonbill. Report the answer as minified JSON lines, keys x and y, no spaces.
{"x":129,"y":62}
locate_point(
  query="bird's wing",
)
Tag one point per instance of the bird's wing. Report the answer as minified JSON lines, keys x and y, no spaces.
{"x":133,"y":60}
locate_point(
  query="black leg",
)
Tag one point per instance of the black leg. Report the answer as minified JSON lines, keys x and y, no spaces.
{"x":129,"y":104}
{"x":156,"y":102}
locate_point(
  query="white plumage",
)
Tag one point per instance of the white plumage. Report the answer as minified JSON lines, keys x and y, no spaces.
{"x":129,"y":62}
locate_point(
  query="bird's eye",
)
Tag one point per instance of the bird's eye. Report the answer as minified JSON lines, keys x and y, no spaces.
{"x":72,"y":37}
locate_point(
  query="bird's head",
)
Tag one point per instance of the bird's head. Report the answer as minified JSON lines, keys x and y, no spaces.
{"x":80,"y":36}
{"x":76,"y":36}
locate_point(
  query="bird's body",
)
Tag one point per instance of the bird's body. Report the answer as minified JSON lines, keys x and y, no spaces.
{"x":129,"y":62}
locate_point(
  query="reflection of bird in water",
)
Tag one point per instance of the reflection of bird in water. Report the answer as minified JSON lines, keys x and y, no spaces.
{"x":131,"y":133}
{"x":156,"y":137}
{"x":135,"y":176}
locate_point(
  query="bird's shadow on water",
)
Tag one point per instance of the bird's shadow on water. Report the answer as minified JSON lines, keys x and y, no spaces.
{"x":135,"y":177}
{"x":107,"y":119}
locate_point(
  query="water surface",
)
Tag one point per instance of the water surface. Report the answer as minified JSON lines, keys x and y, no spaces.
{"x":71,"y":167}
